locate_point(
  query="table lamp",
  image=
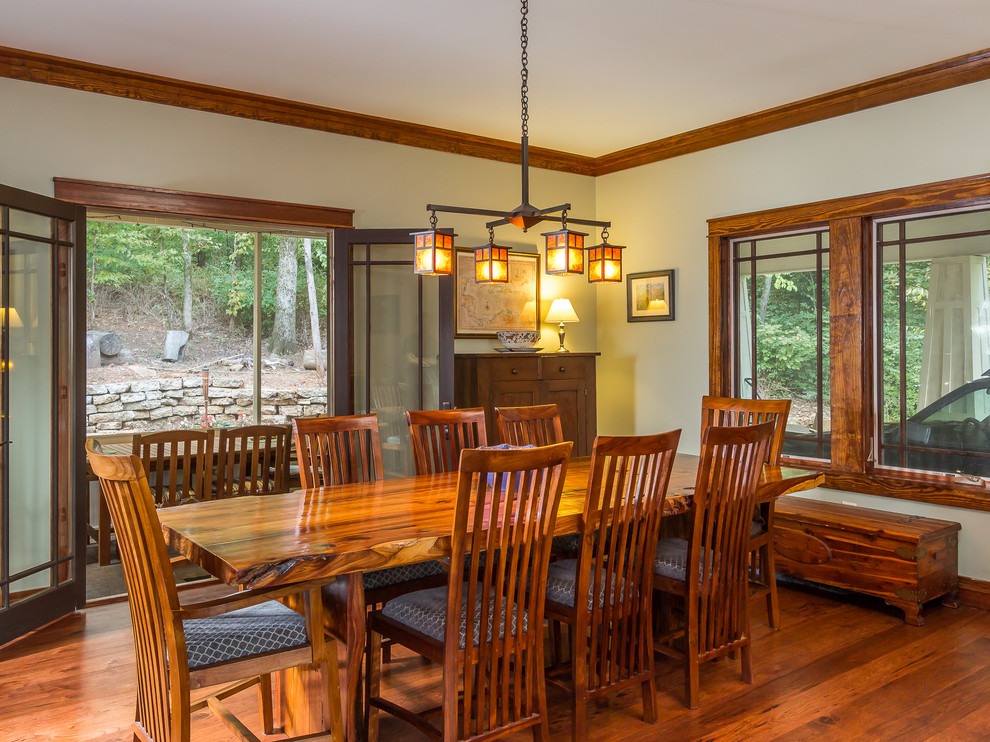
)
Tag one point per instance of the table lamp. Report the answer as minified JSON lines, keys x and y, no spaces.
{"x":561,"y":311}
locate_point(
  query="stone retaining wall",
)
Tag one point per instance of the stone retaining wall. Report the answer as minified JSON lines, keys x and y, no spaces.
{"x":161,"y":404}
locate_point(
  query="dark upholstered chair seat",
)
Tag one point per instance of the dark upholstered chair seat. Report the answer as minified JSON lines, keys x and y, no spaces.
{"x":671,"y":558}
{"x":249,"y":631}
{"x":425,"y":611}
{"x":405,"y":573}
{"x":757,"y":528}
{"x":562,"y":585}
{"x":567,"y":544}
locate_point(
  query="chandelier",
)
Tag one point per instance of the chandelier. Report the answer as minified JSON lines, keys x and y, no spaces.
{"x":563,"y":248}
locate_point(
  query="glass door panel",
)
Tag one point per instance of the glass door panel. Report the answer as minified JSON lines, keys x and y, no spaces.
{"x":42,"y":360}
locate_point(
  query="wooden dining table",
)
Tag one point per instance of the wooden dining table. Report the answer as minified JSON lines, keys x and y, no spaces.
{"x":346,"y":530}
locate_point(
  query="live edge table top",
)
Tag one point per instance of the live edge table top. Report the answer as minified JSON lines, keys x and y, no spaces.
{"x":331,"y":531}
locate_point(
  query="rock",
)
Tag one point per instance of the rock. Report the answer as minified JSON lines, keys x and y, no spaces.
{"x":118,"y":388}
{"x":171,"y":384}
{"x":132,"y":397}
{"x":152,"y":385}
{"x":111,"y":344}
{"x":309,"y":359}
{"x":93,"y":359}
{"x":97,"y":389}
{"x":175,"y":345}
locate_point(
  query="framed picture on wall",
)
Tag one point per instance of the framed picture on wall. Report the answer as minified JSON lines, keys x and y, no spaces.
{"x":482,"y":309}
{"x":650,"y":296}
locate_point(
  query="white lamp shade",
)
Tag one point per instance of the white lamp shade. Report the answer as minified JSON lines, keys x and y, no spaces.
{"x":562,"y":311}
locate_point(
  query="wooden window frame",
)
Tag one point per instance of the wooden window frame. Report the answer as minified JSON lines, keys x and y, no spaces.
{"x":852,"y":361}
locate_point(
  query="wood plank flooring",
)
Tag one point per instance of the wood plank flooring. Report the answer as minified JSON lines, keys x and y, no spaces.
{"x":838,"y":670}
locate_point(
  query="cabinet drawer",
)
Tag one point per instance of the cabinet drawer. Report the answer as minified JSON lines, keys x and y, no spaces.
{"x":513,"y":368}
{"x":563,"y":367}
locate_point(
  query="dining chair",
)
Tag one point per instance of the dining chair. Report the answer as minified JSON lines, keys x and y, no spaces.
{"x":346,"y":450}
{"x":611,"y":624}
{"x":485,"y":628}
{"x":238,"y":640}
{"x":709,"y":573}
{"x":252,"y":460}
{"x":338,"y":450}
{"x":537,"y":425}
{"x":762,"y":563}
{"x":439,"y":436}
{"x":178,"y":465}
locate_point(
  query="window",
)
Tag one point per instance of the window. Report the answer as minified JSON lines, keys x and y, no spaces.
{"x":781,"y":332}
{"x":175,"y":337}
{"x":896,"y":287}
{"x":934,"y":326}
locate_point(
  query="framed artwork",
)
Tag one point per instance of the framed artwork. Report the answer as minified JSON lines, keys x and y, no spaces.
{"x":650,"y":296}
{"x":482,"y":309}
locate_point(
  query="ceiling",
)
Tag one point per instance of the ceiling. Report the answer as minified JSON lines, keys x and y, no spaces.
{"x":603,"y":75}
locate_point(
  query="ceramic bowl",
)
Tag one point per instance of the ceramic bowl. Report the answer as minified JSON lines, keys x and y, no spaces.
{"x":519,"y":338}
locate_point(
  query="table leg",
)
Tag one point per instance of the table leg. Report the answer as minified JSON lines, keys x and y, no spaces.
{"x":356,"y":626}
{"x":301,"y":693}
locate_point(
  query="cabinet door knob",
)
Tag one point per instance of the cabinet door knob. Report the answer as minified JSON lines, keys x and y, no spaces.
{"x":563,"y":369}
{"x":515,"y":371}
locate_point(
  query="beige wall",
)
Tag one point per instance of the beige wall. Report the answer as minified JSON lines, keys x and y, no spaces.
{"x":48,"y":132}
{"x":660,"y":211}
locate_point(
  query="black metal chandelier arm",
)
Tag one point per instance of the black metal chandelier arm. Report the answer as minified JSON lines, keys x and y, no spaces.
{"x":466,"y":210}
{"x":570,"y":220}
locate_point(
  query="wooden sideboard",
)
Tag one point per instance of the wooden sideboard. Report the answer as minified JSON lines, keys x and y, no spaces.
{"x":493,"y":380}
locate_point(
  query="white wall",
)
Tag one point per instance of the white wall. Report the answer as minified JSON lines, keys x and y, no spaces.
{"x":660,"y":212}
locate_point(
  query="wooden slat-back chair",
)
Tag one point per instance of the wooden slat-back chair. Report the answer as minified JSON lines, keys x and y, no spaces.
{"x":728,"y":411}
{"x":538,"y":425}
{"x":506,"y":505}
{"x":438,"y":436}
{"x":612,"y":636}
{"x":711,"y":571}
{"x":338,"y":450}
{"x":179,"y":648}
{"x":253,"y":460}
{"x":178,"y":464}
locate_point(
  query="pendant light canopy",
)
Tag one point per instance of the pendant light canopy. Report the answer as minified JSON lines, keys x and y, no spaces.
{"x":565,"y":247}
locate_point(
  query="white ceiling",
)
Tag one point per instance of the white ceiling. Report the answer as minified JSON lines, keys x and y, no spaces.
{"x":603,"y":75}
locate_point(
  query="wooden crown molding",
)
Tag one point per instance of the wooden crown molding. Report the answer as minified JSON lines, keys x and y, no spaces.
{"x":94,"y":78}
{"x":130,"y":199}
{"x":19,"y":64}
{"x":930,"y":78}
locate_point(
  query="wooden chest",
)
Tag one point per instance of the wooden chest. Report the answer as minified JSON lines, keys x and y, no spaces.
{"x":904,"y":559}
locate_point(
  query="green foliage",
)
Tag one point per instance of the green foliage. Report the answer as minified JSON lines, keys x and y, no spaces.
{"x":135,"y":258}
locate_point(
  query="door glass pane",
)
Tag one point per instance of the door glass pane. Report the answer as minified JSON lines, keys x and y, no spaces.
{"x":30,"y":375}
{"x":934,"y":309}
{"x":396,"y":348}
{"x":27,"y":223}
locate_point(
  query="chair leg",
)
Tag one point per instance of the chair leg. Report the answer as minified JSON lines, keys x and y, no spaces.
{"x":579,"y":710}
{"x":265,"y":703}
{"x":691,"y":684}
{"x":556,"y":658}
{"x":372,"y":683}
{"x":747,"y":667}
{"x":650,"y":700}
{"x":769,"y":568}
{"x":331,"y":670}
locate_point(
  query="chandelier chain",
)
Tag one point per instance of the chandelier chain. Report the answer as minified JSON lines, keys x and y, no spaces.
{"x":524,"y":90}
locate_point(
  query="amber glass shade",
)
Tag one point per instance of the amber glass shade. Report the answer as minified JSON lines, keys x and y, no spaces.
{"x":491,"y":264}
{"x":434,"y":253}
{"x":564,"y":252}
{"x":605,"y":263}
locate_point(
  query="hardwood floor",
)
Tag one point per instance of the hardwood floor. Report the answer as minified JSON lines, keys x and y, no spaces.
{"x":838,"y":670}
